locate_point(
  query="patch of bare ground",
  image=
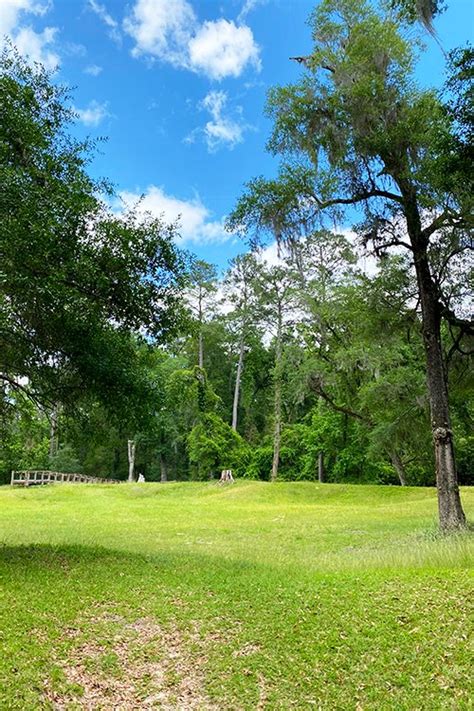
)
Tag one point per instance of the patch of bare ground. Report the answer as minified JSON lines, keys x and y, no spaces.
{"x":137,"y":665}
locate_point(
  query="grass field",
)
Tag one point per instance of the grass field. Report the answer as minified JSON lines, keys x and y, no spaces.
{"x":246,"y":596}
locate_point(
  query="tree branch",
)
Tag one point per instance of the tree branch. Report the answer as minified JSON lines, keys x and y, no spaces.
{"x":17,"y":386}
{"x":445,"y":218}
{"x":316,"y":385}
{"x":466,"y":325}
{"x":360,"y":197}
{"x":392,"y":243}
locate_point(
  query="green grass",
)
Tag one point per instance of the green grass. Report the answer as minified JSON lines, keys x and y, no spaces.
{"x":249,"y":596}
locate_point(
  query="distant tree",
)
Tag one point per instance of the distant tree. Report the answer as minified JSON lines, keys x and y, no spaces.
{"x":275,"y":286}
{"x":202,"y":288}
{"x":239,"y":292}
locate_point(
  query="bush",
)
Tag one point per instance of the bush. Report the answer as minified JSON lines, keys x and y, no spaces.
{"x":213,"y":445}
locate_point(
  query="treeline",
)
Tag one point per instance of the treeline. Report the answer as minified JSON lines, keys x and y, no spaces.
{"x":306,"y":369}
{"x":121,"y":355}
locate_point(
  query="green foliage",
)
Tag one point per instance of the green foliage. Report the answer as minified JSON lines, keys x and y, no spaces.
{"x":90,"y":302}
{"x":214,"y":446}
{"x":78,"y":283}
{"x":24,"y":441}
{"x":65,"y":460}
{"x":260,"y":463}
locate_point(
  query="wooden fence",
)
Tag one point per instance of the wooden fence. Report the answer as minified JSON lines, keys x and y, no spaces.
{"x":35,"y":478}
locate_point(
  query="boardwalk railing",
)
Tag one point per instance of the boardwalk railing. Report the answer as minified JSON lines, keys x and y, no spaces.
{"x":33,"y":478}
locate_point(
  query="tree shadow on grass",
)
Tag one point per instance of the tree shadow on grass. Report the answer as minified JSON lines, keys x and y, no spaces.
{"x":90,"y":626}
{"x":240,"y":617}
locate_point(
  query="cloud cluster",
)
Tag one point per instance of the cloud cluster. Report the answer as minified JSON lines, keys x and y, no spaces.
{"x":35,"y":46}
{"x":221,"y":130}
{"x":171,"y":32}
{"x":194,"y":217}
{"x":93,"y":114}
{"x":93,"y":70}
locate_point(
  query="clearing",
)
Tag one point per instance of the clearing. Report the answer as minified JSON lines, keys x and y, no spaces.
{"x":244,"y":596}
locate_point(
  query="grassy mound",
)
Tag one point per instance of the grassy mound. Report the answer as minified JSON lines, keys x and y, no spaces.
{"x":246,"y":596}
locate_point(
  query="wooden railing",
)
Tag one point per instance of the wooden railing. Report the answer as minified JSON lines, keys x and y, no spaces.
{"x":34,"y":478}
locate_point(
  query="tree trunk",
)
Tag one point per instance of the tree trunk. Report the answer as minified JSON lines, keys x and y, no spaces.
{"x":320,"y":467}
{"x":131,"y":460}
{"x":53,"y":433}
{"x":238,"y":378}
{"x":277,"y":402}
{"x":163,"y":470}
{"x":399,"y":468}
{"x":200,"y":350}
{"x":200,"y":340}
{"x":451,"y":514}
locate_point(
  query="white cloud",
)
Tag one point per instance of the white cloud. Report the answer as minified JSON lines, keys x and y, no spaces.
{"x":12,"y":10}
{"x":248,"y":6}
{"x":221,"y":130}
{"x":107,"y":19}
{"x":222,"y":49}
{"x":162,"y":29}
{"x":194,"y":217}
{"x":34,"y":46}
{"x":93,"y":69}
{"x":273,"y":255}
{"x":93,"y":114}
{"x":170,"y":31}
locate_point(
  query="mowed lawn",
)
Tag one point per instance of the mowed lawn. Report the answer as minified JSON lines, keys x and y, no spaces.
{"x":244,"y":596}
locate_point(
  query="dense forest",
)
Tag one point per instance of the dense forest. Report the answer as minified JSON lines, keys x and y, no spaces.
{"x":308,"y":358}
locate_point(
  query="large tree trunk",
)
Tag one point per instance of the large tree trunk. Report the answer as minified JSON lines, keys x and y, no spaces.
{"x":238,"y":378}
{"x":131,"y":460}
{"x":399,"y":468}
{"x":451,"y":514}
{"x":277,"y":401}
{"x":163,"y":470}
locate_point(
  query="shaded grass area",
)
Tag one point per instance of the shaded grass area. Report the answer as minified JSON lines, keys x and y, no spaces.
{"x":285,"y":596}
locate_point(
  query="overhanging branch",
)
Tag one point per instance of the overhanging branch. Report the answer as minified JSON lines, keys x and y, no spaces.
{"x":360,"y":197}
{"x":316,"y":385}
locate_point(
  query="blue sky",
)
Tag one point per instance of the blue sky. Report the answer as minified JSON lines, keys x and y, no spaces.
{"x":178,"y":87}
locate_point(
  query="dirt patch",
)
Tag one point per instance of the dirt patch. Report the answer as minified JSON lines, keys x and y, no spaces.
{"x":137,"y":665}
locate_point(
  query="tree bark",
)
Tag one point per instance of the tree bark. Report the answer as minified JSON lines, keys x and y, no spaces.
{"x":238,"y":377}
{"x":321,"y":467}
{"x":200,"y":349}
{"x":163,"y":470}
{"x":131,"y":460}
{"x":399,"y":468}
{"x":277,"y":402}
{"x":53,"y":433}
{"x":451,"y":514}
{"x":200,"y":339}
